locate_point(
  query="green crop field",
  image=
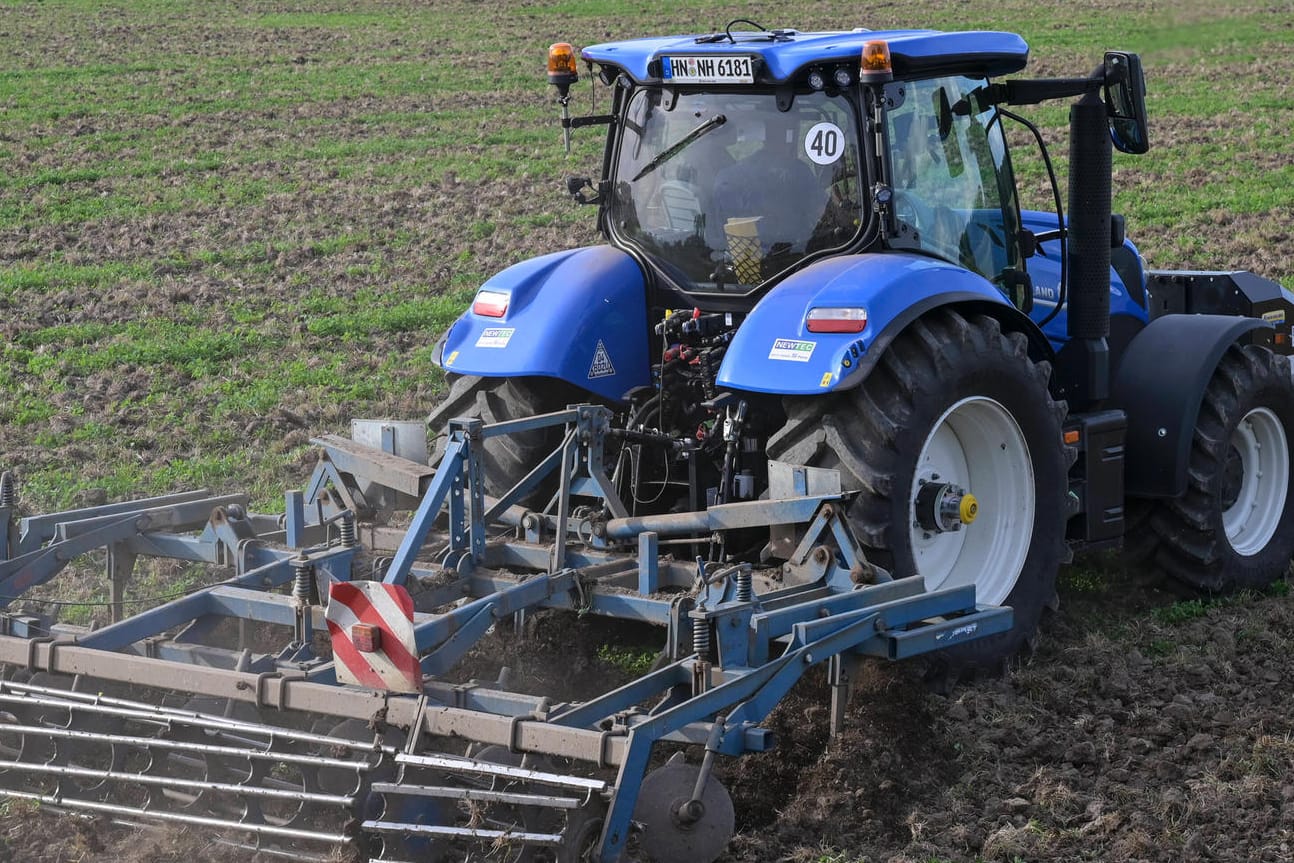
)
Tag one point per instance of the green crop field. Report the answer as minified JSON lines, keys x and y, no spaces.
{"x":226,"y":226}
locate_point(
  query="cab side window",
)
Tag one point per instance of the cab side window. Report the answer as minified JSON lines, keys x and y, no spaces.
{"x":953,"y":194}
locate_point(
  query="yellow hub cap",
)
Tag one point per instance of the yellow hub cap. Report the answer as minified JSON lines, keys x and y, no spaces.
{"x":968,"y":509}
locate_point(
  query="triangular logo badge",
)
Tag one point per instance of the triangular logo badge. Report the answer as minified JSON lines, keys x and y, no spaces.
{"x":601,"y":367}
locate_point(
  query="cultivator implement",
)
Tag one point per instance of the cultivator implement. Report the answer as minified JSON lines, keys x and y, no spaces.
{"x":319,"y":695}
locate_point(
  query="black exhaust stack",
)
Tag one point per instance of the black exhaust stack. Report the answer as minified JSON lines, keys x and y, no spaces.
{"x":1089,"y":251}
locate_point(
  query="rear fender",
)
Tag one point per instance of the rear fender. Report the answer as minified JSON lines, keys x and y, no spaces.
{"x":1160,"y":384}
{"x":774,"y":352}
{"x":578,"y":315}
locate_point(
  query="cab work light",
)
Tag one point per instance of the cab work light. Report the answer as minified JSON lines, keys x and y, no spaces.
{"x":491,"y":304}
{"x":831,"y":320}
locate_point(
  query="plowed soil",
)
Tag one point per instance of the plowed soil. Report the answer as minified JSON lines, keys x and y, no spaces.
{"x":1145,"y":728}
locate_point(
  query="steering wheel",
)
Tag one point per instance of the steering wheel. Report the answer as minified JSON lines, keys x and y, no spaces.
{"x":912,"y":210}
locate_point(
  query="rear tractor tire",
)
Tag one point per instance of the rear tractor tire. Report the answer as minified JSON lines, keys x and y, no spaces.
{"x":507,"y":458}
{"x":954,"y":446}
{"x":1234,"y":527}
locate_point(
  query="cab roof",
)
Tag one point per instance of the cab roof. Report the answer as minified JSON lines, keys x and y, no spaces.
{"x":785,"y":53}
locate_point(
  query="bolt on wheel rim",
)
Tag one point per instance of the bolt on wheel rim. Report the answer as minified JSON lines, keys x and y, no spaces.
{"x":977,"y":445}
{"x":1251,"y":520}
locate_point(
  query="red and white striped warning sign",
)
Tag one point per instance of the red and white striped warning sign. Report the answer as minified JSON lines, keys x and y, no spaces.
{"x":371,"y":625}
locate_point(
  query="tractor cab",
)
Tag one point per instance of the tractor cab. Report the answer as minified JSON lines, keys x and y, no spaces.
{"x":737,"y":158}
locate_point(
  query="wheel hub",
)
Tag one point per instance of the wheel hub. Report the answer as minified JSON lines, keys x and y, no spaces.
{"x":942,"y":507}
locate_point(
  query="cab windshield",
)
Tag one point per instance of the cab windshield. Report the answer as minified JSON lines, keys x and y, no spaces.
{"x":724,"y":191}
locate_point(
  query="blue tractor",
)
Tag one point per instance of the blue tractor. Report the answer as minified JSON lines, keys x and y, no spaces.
{"x":815,"y":257}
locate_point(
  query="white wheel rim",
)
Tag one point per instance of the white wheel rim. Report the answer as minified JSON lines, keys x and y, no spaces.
{"x":1251,"y":520}
{"x":978,"y":446}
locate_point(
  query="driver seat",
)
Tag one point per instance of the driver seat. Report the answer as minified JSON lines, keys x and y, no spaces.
{"x":682,"y":208}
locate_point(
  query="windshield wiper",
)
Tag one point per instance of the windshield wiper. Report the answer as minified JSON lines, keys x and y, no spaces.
{"x":665,"y":155}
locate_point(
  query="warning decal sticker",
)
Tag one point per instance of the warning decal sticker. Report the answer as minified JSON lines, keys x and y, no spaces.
{"x":601,"y":366}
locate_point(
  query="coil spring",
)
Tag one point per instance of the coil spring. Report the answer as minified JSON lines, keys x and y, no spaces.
{"x":745,"y":584}
{"x":701,"y":637}
{"x":8,"y":495}
{"x":302,"y":577}
{"x":346,"y":530}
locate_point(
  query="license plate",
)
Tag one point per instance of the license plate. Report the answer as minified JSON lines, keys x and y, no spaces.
{"x":707,"y":70}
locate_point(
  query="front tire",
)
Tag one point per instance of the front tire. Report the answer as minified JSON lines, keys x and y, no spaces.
{"x":957,"y":403}
{"x":1234,"y":527}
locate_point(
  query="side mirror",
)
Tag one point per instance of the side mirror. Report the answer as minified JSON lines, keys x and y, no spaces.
{"x":1125,"y":102}
{"x":575,"y":187}
{"x":944,"y":118}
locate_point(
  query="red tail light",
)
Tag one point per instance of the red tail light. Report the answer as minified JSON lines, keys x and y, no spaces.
{"x":491,"y":304}
{"x":831,"y":320}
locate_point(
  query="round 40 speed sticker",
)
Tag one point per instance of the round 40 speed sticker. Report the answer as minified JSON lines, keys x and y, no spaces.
{"x":824,"y":143}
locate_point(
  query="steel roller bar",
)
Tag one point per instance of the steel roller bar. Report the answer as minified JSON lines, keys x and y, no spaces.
{"x":268,"y":830}
{"x":479,"y":834}
{"x":159,"y":743}
{"x":186,"y":784}
{"x":121,"y":708}
{"x":472,"y":795}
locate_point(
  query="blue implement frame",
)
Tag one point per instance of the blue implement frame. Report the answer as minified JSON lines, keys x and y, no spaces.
{"x":738,"y":636}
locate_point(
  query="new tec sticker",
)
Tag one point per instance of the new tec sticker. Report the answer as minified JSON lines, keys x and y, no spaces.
{"x":495,"y":337}
{"x":792,"y":350}
{"x":601,"y":366}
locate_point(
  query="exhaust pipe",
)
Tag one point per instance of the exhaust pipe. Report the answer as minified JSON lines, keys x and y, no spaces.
{"x":1089,"y":246}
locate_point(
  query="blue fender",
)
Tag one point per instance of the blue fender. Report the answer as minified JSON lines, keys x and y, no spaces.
{"x":579,"y":315}
{"x":773,"y":351}
{"x":1160,"y":384}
